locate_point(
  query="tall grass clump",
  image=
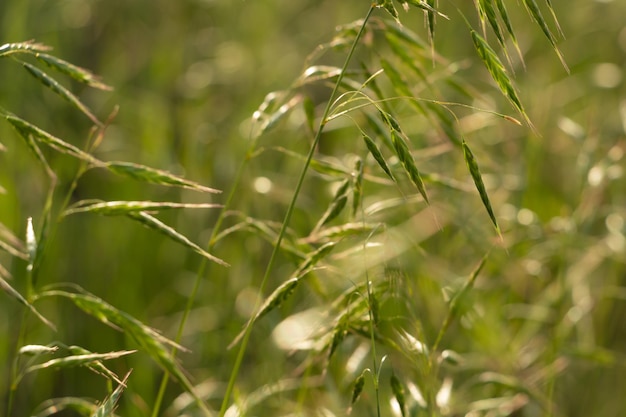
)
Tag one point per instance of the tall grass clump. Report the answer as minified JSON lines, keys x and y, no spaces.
{"x":377,"y":251}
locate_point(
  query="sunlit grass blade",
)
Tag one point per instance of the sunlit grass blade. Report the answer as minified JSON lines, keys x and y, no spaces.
{"x":498,"y":73}
{"x":408,"y":162}
{"x":114,"y":208}
{"x":17,"y":47}
{"x":154,"y":176}
{"x":480,"y":185}
{"x":274,"y":118}
{"x":535,"y":12}
{"x":378,"y":156}
{"x":80,"y":406}
{"x":71,"y":361}
{"x":60,"y":90}
{"x":155,"y":224}
{"x":25,"y":129}
{"x":280,"y":294}
{"x":15,"y":294}
{"x":77,"y":73}
{"x":108,"y":406}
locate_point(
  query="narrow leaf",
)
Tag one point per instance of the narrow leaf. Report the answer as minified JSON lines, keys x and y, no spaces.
{"x":155,"y":224}
{"x":357,"y":189}
{"x":154,"y":176}
{"x":54,"y":406}
{"x":60,"y":90}
{"x":478,"y":181}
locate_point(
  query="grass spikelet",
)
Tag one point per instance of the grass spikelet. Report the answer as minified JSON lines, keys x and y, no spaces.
{"x":457,"y":299}
{"x":28,"y":47}
{"x":155,"y":176}
{"x":313,"y":258}
{"x":398,"y":393}
{"x":155,"y":224}
{"x":535,"y":12}
{"x":357,"y":389}
{"x":472,"y":165}
{"x":151,"y":341}
{"x":402,"y":150}
{"x":280,"y":294}
{"x":86,"y":360}
{"x":336,"y":206}
{"x":509,"y":27}
{"x":61,"y":91}
{"x":498,"y":73}
{"x":390,"y":8}
{"x":108,"y":406}
{"x":96,"y":366}
{"x":75,"y":72}
{"x":114,"y":208}
{"x":378,"y":156}
{"x":342,"y":231}
{"x":25,"y":129}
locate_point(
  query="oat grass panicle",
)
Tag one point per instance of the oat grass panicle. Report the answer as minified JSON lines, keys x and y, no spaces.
{"x":379,"y":277}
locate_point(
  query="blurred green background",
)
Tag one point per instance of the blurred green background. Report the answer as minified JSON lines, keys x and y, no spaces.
{"x":187,"y":75}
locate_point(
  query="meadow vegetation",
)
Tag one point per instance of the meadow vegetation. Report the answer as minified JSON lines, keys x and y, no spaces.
{"x":255,"y":208}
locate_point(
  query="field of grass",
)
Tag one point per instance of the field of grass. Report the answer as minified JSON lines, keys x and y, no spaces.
{"x":312,"y":208}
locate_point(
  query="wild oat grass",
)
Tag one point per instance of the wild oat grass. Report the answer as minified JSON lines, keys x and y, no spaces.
{"x":391,"y":239}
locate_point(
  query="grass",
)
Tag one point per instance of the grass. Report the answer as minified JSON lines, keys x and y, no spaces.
{"x":400,"y":232}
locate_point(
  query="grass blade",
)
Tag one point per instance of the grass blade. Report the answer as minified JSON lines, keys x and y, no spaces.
{"x":155,"y":224}
{"x":472,"y":165}
{"x":77,"y":73}
{"x":58,"y":89}
{"x":114,"y":208}
{"x":154,"y":176}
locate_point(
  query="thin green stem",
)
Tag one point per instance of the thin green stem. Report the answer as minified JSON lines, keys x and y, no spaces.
{"x":290,"y":209}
